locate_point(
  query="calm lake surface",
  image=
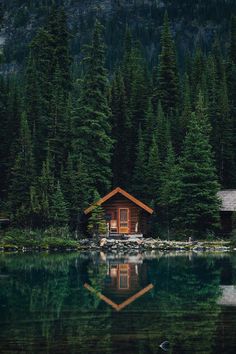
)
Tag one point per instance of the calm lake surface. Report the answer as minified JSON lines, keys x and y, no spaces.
{"x":99,"y":303}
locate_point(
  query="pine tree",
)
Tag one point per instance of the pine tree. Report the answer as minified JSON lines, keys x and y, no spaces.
{"x":224,"y":148}
{"x":33,"y":103}
{"x":57,"y":125}
{"x":197,"y":75}
{"x":93,"y":119}
{"x":187,"y":108}
{"x":49,"y":80}
{"x":139,"y":186}
{"x":59,"y":209}
{"x":231,"y":79}
{"x":97,"y":224}
{"x":57,"y":27}
{"x":198,"y":206}
{"x":168,"y":73}
{"x":153,"y":173}
{"x":170,"y":189}
{"x":163,"y":133}
{"x":77,"y":187}
{"x":22,"y":176}
{"x":150,"y":125}
{"x":45,"y":190}
{"x":121,"y":132}
{"x":232,"y":53}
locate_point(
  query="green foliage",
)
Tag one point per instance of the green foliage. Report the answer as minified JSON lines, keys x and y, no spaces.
{"x":84,"y":129}
{"x":140,"y":169}
{"x":198,"y":206}
{"x":22,"y":176}
{"x":59,"y":209}
{"x":168,"y":82}
{"x":93,"y":115}
{"x":53,"y":237}
{"x":121,"y":132}
{"x":97,"y":223}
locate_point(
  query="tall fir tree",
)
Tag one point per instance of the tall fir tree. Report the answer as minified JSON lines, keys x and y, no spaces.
{"x":22,"y":176}
{"x":198,"y":206}
{"x":121,"y":133}
{"x":59,"y":208}
{"x":168,"y":83}
{"x":153,"y":173}
{"x":45,"y":190}
{"x":50,"y":64}
{"x":78,"y":189}
{"x":149,"y":125}
{"x":163,"y":133}
{"x":139,"y":187}
{"x":186,"y":109}
{"x":169,"y":192}
{"x":94,"y":116}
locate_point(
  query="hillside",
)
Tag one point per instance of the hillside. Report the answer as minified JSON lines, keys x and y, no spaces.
{"x":193,"y":23}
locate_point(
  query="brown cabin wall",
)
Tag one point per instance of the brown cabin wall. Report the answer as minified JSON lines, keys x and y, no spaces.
{"x":136,"y":213}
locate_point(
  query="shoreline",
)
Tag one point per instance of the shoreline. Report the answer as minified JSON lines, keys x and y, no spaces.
{"x":126,"y":246}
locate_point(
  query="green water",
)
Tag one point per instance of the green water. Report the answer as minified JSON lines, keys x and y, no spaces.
{"x":52,"y":303}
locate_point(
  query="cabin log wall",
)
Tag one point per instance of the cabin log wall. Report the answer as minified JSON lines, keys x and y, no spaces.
{"x":136,"y":214}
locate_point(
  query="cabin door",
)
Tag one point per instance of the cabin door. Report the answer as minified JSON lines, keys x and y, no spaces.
{"x":124,"y":220}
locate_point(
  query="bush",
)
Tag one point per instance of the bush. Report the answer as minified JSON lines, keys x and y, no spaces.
{"x":52,"y":237}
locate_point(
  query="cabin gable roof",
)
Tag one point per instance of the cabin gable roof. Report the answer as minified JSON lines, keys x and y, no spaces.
{"x":125,"y":194}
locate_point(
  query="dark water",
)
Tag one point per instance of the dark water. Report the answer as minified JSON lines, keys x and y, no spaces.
{"x":70,"y":303}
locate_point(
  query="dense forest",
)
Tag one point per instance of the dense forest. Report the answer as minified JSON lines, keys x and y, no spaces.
{"x":74,"y":127}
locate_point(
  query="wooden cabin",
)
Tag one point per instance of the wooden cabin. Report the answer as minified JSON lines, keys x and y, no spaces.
{"x":125,"y":214}
{"x":227,"y":209}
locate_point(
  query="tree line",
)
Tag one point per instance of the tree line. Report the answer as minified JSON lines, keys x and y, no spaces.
{"x":72,"y":131}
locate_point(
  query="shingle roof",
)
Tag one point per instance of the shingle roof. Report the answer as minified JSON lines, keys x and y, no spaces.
{"x":228,"y":198}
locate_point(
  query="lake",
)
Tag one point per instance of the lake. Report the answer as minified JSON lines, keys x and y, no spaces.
{"x":104,"y":303}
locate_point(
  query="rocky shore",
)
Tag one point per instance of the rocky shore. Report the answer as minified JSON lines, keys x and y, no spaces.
{"x":137,"y":245}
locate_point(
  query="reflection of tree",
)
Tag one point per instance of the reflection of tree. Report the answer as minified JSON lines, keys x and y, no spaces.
{"x":45,"y":304}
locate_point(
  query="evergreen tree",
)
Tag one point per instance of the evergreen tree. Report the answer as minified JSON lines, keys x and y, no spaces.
{"x":187,"y":108}
{"x":233,"y":40}
{"x":45,"y":190}
{"x":93,"y":120}
{"x":153,"y":173}
{"x":163,"y":133}
{"x":198,"y":206}
{"x":97,"y":224}
{"x":78,"y":189}
{"x":150,"y":125}
{"x":121,"y":132}
{"x":59,"y":209}
{"x":49,"y":81}
{"x":22,"y":176}
{"x":33,"y":105}
{"x":197,"y":76}
{"x":139,"y":186}
{"x":170,"y":188}
{"x":168,"y":73}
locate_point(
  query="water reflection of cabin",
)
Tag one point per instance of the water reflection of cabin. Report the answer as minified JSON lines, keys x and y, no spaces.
{"x":125,"y":214}
{"x":124,"y":283}
{"x":124,"y":279}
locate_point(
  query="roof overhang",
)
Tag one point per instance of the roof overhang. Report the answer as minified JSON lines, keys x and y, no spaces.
{"x":125,"y":194}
